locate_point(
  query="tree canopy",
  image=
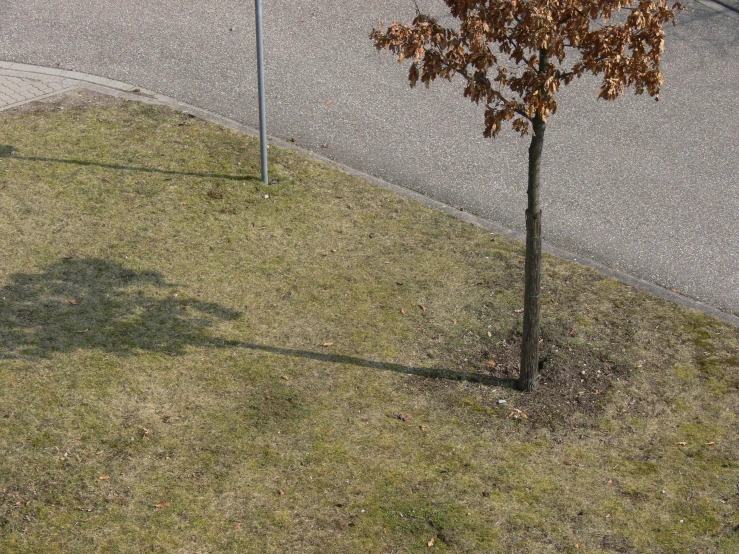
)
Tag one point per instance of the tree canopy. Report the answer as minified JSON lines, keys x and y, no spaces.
{"x":516,"y":54}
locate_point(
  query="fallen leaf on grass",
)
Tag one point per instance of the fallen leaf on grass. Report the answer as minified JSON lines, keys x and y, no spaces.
{"x":490,"y":334}
{"x":238,"y":526}
{"x":491,"y":364}
{"x":402,"y":311}
{"x":403,"y":417}
{"x":568,"y":462}
{"x":83,"y":331}
{"x":422,"y":307}
{"x":573,"y":331}
{"x":329,"y":102}
{"x":327,"y":344}
{"x":422,"y":427}
{"x":516,"y":414}
{"x":72,"y":301}
{"x":710,"y":443}
{"x":454,"y":321}
{"x":681,"y":443}
{"x":104,"y":477}
{"x":281,"y":492}
{"x":286,"y":377}
{"x":518,"y":311}
{"x":431,"y":542}
{"x":162,"y":505}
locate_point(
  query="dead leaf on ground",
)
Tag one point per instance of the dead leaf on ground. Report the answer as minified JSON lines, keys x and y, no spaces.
{"x":327,"y":344}
{"x":162,"y":505}
{"x":423,"y":308}
{"x":104,"y":477}
{"x":573,"y":331}
{"x":403,"y":417}
{"x":281,"y":492}
{"x":490,"y":334}
{"x":72,"y":301}
{"x":238,"y":525}
{"x":681,"y":443}
{"x":710,"y":443}
{"x":402,"y":311}
{"x":329,"y":102}
{"x":568,"y":462}
{"x":431,"y":542}
{"x":83,"y":331}
{"x":491,"y":363}
{"x":518,"y":311}
{"x":518,"y":414}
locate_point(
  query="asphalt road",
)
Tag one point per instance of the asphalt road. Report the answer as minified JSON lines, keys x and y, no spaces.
{"x":649,"y":188}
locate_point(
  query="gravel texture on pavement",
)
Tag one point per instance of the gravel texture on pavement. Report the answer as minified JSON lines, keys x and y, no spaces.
{"x":649,"y":188}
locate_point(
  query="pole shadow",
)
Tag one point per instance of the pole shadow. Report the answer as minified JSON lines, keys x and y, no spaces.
{"x":7,"y":151}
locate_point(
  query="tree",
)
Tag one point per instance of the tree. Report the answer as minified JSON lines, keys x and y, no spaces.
{"x":515,"y":55}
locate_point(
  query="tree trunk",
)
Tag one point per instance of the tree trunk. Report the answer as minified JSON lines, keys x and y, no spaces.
{"x":532,"y":290}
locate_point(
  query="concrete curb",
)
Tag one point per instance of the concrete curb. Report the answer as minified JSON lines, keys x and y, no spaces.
{"x":74,"y":79}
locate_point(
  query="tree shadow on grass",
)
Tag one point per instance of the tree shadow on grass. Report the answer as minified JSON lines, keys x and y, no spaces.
{"x":96,"y":304}
{"x":99,"y":304}
{"x":429,"y":372}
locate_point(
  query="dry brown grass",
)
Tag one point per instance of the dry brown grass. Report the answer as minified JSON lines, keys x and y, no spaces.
{"x":167,"y":384}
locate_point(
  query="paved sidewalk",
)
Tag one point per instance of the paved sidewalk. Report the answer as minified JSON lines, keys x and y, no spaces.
{"x":19,"y":90}
{"x":20,"y":84}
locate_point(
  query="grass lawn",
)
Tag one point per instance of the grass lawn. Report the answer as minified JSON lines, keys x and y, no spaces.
{"x":193,"y":362}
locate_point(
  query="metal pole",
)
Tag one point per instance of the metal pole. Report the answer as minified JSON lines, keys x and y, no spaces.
{"x":262,"y":108}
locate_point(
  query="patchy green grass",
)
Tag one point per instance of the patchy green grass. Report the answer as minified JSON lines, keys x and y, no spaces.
{"x":188,"y":366}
